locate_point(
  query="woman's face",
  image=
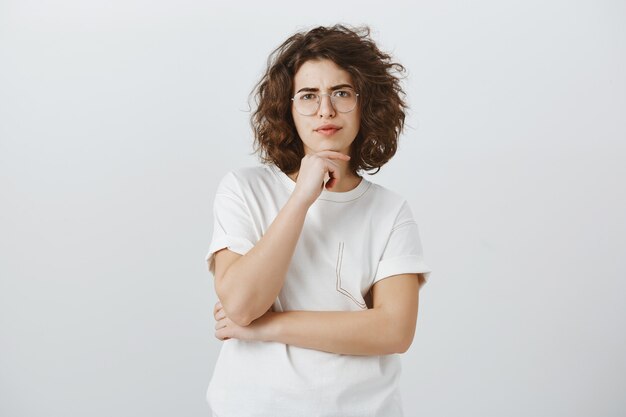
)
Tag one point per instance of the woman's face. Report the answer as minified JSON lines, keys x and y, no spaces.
{"x":326,"y":129}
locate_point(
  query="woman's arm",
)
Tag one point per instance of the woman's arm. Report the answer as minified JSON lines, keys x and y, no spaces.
{"x":248,"y":285}
{"x":387,"y":328}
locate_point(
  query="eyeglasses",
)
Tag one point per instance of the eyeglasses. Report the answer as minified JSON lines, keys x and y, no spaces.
{"x":307,"y":103}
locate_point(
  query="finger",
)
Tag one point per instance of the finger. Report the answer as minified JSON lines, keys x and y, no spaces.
{"x":220,"y":314}
{"x":221,"y":335}
{"x":334,"y":175}
{"x":331,"y":163}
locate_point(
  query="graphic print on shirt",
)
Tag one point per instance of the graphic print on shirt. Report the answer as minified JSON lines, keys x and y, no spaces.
{"x":340,"y":288}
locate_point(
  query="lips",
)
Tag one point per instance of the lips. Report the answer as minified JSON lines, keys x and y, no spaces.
{"x":328,"y":130}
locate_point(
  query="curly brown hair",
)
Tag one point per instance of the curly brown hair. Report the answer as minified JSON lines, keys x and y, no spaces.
{"x":375,"y":77}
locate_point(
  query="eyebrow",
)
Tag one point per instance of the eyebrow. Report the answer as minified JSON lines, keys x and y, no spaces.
{"x":333,"y":88}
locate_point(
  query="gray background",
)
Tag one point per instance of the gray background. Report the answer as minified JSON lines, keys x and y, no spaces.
{"x":118,"y":118}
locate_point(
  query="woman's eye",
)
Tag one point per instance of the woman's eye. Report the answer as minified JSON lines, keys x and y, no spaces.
{"x":307,"y":97}
{"x":343,"y":93}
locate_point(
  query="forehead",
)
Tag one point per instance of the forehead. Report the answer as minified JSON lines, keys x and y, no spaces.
{"x":321,"y":73}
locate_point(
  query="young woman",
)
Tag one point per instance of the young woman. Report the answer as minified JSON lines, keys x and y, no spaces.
{"x":317,"y":269}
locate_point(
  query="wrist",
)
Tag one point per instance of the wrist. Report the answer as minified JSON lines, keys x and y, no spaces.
{"x":271,"y":327}
{"x":298,"y":203}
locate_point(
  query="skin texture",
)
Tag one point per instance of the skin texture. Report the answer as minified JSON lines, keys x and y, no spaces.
{"x":248,"y":285}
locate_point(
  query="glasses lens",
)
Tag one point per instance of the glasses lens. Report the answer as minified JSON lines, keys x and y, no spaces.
{"x":344,"y":100}
{"x":306,"y":103}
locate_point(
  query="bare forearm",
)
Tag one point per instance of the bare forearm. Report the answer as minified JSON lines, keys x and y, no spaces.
{"x":252,"y":283}
{"x":367,"y":332}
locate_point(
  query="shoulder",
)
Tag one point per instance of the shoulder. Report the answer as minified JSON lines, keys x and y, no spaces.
{"x":384,"y":193}
{"x":246,"y":175}
{"x":391,"y":208}
{"x":245,"y":180}
{"x":387,"y":199}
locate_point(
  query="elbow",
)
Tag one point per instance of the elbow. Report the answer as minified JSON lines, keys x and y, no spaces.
{"x":240,"y":319}
{"x":396,"y":342}
{"x":238,"y":315}
{"x":244,"y":315}
{"x":235,"y":310}
{"x":403,"y":346}
{"x":241,"y":316}
{"x":404,"y":340}
{"x":399,"y":334}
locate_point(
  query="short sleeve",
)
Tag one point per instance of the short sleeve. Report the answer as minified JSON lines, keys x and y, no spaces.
{"x":232,"y":224}
{"x":403,"y":253}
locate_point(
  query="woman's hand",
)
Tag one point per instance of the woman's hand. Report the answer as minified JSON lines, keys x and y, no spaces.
{"x":315,"y":169}
{"x":225,"y":328}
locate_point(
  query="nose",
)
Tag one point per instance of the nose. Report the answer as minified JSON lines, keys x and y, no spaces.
{"x":326,"y":106}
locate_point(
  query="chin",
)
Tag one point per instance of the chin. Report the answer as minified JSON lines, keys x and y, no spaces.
{"x":329,"y":145}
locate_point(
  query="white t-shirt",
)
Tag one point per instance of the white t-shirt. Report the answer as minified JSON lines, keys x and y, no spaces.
{"x":349,"y":241}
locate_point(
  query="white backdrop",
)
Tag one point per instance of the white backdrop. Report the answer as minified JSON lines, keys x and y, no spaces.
{"x":118,"y":118}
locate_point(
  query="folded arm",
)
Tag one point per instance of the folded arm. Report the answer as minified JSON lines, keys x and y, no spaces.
{"x":386,"y":328}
